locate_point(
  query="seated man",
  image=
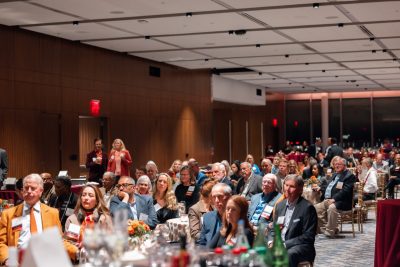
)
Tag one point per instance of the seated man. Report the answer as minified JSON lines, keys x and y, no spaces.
{"x":108,"y":189}
{"x":18,"y":223}
{"x":338,"y":196}
{"x":138,"y":207}
{"x":250,"y":183}
{"x":262,"y":204}
{"x":219,"y":174}
{"x":48,"y":187}
{"x":395,"y":178}
{"x":368,"y":177}
{"x":380,"y":165}
{"x":212,"y":220}
{"x":299,"y":220}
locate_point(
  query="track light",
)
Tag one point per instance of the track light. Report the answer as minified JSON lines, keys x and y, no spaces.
{"x":323,"y":70}
{"x":307,"y":63}
{"x":189,"y":14}
{"x":340,"y":25}
{"x":372,"y":38}
{"x":373,"y":51}
{"x":230,"y":32}
{"x":384,"y":50}
{"x":258,"y":45}
{"x":315,"y":5}
{"x":75,"y":23}
{"x":147,"y":37}
{"x":206,"y":59}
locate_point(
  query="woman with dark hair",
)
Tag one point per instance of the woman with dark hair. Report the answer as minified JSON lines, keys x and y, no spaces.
{"x":197,"y":211}
{"x":89,"y":211}
{"x":236,"y":209}
{"x":187,"y":191}
{"x":164,"y":199}
{"x":235,"y":177}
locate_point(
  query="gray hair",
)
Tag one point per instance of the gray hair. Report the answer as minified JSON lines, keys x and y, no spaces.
{"x":35,"y":177}
{"x":151,"y":164}
{"x":368,"y":161}
{"x":271,"y":176}
{"x":296,"y":178}
{"x":111,"y":174}
{"x":145,"y":179}
{"x":129,"y":178}
{"x":268,"y":161}
{"x":225,"y":188}
{"x":220,"y":166}
{"x":248,"y":164}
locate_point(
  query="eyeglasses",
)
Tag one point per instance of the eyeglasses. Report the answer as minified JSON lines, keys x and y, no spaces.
{"x":123,"y":185}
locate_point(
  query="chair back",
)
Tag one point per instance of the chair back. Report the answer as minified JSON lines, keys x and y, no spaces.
{"x":381,"y":177}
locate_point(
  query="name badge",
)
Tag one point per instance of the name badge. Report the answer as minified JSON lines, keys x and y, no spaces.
{"x":74,"y":229}
{"x":281,"y":220}
{"x":16,"y":224}
{"x":191,"y":188}
{"x":339,"y":185}
{"x":69,"y":212}
{"x":157,"y":207}
{"x":143,"y":217}
{"x":267,"y":212}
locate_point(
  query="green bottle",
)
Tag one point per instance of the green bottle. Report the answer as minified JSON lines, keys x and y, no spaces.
{"x":260,"y":246}
{"x":279,"y":253}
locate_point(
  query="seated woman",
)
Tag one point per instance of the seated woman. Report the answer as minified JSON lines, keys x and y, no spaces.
{"x":235,"y":177}
{"x":187,"y":191}
{"x":143,"y":185}
{"x":292,"y":167}
{"x":164,"y":199}
{"x":236,"y":209}
{"x":320,"y":184}
{"x":89,"y":211}
{"x":197,"y":211}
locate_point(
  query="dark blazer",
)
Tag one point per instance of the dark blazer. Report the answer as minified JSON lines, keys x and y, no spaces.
{"x":3,"y":164}
{"x":96,"y":171}
{"x":218,"y":240}
{"x":313,"y":150}
{"x":227,"y":181}
{"x":343,"y":197}
{"x":144,"y":204}
{"x":273,"y":197}
{"x":300,"y":235}
{"x":333,"y":151}
{"x":211,"y":226}
{"x":255,"y":186}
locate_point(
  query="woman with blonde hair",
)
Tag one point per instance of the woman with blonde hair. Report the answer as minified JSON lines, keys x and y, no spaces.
{"x":173,"y":171}
{"x":90,"y":210}
{"x":119,"y":159}
{"x":164,"y":199}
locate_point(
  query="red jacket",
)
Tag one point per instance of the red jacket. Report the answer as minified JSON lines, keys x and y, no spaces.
{"x":126,"y":162}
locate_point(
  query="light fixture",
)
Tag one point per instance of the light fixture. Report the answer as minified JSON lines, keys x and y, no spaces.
{"x":315,"y":5}
{"x":372,"y":38}
{"x":384,"y":50}
{"x":258,"y":45}
{"x":189,"y":14}
{"x":307,"y":63}
{"x":336,"y":76}
{"x":75,"y":23}
{"x":240,"y":32}
{"x":340,"y":25}
{"x":206,"y":59}
{"x":260,"y":73}
{"x":230,"y":32}
{"x":290,"y":83}
{"x":303,"y":87}
{"x":373,"y":51}
{"x":286,"y":56}
{"x":323,"y":70}
{"x":147,"y":37}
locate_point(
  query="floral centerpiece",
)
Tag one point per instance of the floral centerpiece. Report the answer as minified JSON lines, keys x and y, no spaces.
{"x":138,"y":232}
{"x":313,"y":181}
{"x":4,"y":204}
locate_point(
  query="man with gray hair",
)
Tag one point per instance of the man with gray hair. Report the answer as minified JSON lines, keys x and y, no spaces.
{"x":219,"y":174}
{"x":108,"y":189}
{"x":19,"y":223}
{"x":250,"y":183}
{"x":368,"y":178}
{"x":338,"y":196}
{"x":137,"y":206}
{"x":266,"y":166}
{"x":262,"y":205}
{"x":298,"y":220}
{"x":212,"y":220}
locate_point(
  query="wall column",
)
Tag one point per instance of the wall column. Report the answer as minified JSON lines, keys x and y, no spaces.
{"x":325,"y":120}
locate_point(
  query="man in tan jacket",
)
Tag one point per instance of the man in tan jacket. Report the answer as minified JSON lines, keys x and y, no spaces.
{"x":19,"y":223}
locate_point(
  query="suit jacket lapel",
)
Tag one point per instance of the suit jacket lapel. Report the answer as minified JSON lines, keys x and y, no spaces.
{"x":43,"y":213}
{"x":294,"y":215}
{"x":18,"y":213}
{"x":139,"y":206}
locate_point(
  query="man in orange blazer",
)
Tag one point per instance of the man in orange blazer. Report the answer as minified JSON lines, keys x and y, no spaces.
{"x":30,"y":217}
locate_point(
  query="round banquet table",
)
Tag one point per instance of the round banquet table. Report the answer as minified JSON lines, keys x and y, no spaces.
{"x":177,"y":227}
{"x":387,"y":240}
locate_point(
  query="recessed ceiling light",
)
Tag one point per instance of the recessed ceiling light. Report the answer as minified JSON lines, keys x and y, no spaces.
{"x":260,"y":73}
{"x":147,"y":37}
{"x":315,"y":5}
{"x":286,"y":56}
{"x":189,"y":14}
{"x":258,"y":45}
{"x":371,"y":38}
{"x":143,"y":21}
{"x":75,"y":23}
{"x":340,"y":25}
{"x":323,"y":70}
{"x":206,"y":59}
{"x":117,"y":12}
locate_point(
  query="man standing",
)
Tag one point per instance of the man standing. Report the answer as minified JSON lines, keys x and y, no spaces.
{"x":219,"y":174}
{"x":298,"y":218}
{"x":96,"y":162}
{"x":139,"y":207}
{"x":48,"y":187}
{"x":212,"y":220}
{"x":315,"y":148}
{"x":333,"y":150}
{"x":380,"y":165}
{"x":19,"y":223}
{"x":3,"y":166}
{"x":338,"y":196}
{"x":250,"y":183}
{"x":262,"y":204}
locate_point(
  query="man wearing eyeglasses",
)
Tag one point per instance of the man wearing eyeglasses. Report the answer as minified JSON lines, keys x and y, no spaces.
{"x":139,"y":207}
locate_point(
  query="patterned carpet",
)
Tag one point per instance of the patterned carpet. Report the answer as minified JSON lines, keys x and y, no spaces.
{"x":346,"y":250}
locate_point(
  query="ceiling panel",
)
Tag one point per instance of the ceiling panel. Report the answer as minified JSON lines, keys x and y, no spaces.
{"x":372,"y":64}
{"x":325,"y":33}
{"x":225,"y":39}
{"x":328,"y":78}
{"x":300,"y":16}
{"x":245,"y":75}
{"x":379,"y":77}
{"x":378,"y":71}
{"x":268,"y":82}
{"x":182,"y":24}
{"x":267,"y":50}
{"x":95,"y":9}
{"x":359,"y":56}
{"x":261,"y":3}
{"x":202,"y":64}
{"x":389,"y":10}
{"x":385,"y":29}
{"x":131,"y":45}
{"x":252,"y":61}
{"x":392,"y":43}
{"x":306,"y":74}
{"x":82,"y":31}
{"x":19,"y":13}
{"x":345,"y":46}
{"x":300,"y":67}
{"x":169,"y":56}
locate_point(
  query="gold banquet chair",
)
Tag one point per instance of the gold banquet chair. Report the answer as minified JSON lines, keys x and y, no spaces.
{"x":379,"y":194}
{"x":351,"y":215}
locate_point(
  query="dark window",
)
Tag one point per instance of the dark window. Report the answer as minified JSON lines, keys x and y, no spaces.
{"x":298,"y":121}
{"x":316,"y":119}
{"x":386,"y":120}
{"x":334,"y":118}
{"x":356,"y":122}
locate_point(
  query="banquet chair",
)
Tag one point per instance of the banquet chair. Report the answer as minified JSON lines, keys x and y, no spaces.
{"x":350,"y":215}
{"x":379,"y":194}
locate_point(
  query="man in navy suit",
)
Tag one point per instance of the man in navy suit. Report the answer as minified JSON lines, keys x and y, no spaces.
{"x":298,"y":219}
{"x":262,"y":204}
{"x":139,"y":207}
{"x":219,"y":174}
{"x":212,"y":220}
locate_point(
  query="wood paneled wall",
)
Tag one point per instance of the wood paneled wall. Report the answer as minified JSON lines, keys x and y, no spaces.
{"x":238,"y":115}
{"x":46,"y":83}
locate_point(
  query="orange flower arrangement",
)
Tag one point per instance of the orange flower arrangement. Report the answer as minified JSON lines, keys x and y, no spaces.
{"x":313,"y":180}
{"x":4,"y":204}
{"x":137,"y":228}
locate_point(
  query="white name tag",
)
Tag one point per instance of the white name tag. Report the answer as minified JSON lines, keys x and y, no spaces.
{"x":75,"y":229}
{"x":191,"y":188}
{"x":157,"y":207}
{"x":281,"y":220}
{"x":268,"y":209}
{"x":143,"y":217}
{"x":69,"y":212}
{"x":16,"y":222}
{"x":339,"y":185}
